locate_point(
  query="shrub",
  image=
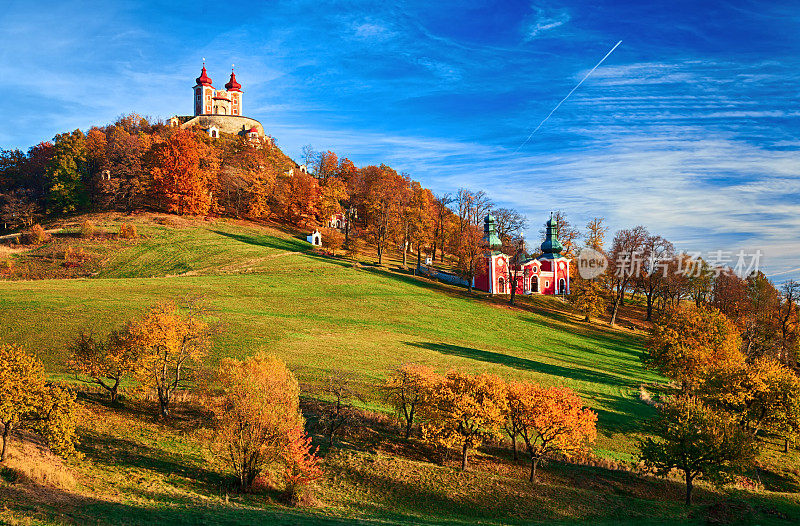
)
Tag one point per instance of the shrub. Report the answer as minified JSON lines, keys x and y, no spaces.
{"x":36,"y":235}
{"x":258,"y":420}
{"x":88,"y":229}
{"x":74,"y":258}
{"x":6,"y":267}
{"x":127,"y":231}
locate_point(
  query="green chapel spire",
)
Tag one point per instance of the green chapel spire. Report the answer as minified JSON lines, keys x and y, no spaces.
{"x":490,"y":238}
{"x":551,"y":248}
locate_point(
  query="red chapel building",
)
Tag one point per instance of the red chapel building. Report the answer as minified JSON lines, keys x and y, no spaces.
{"x":547,"y":273}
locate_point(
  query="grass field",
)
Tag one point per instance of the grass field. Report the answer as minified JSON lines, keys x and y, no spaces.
{"x":270,"y":292}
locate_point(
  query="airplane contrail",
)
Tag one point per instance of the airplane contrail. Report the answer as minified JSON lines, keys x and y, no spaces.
{"x":568,"y":94}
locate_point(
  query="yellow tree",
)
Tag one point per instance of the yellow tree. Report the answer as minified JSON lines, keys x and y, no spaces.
{"x":257,"y":415}
{"x":687,"y":341}
{"x":170,"y":343}
{"x":464,"y":411}
{"x":408,"y":390}
{"x":105,"y":362}
{"x":28,"y":401}
{"x":552,"y":420}
{"x":587,"y":297}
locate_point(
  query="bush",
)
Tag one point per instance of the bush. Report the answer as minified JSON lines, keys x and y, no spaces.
{"x":74,"y":258}
{"x":36,"y":235}
{"x":127,"y":231}
{"x":88,"y":229}
{"x":6,"y":267}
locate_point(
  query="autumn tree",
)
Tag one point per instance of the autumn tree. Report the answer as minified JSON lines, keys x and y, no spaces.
{"x":67,"y":172}
{"x":407,"y":390}
{"x":339,"y":413}
{"x":465,"y":410}
{"x":170,"y":342}
{"x":696,"y":440}
{"x":764,"y":395}
{"x":624,"y":264}
{"x":105,"y":361}
{"x":587,"y":296}
{"x":183,"y":174}
{"x":687,"y":341}
{"x":303,"y":466}
{"x":469,"y":250}
{"x":552,"y":420}
{"x":28,"y":401}
{"x":382,"y":186}
{"x":441,"y":215}
{"x":513,"y":412}
{"x":257,"y":415}
{"x":656,"y":255}
{"x":595,"y":235}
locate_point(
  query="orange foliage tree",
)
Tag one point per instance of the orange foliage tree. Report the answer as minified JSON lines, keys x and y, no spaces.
{"x":464,"y":411}
{"x":105,"y":362}
{"x":687,"y":341}
{"x":183,"y":174}
{"x":551,"y":420}
{"x":258,"y":418}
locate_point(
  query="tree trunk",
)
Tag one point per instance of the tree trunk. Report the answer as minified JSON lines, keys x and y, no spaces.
{"x":114,"y":391}
{"x":534,"y":463}
{"x":785,"y":445}
{"x":514,"y":446}
{"x":6,"y":438}
{"x":650,"y":307}
{"x":614,"y":312}
{"x":464,"y":457}
{"x":688,"y":490}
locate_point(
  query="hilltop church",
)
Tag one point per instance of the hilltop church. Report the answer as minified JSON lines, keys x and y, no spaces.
{"x":221,"y":111}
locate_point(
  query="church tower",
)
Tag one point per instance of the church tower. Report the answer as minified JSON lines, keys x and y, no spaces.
{"x":203,"y":93}
{"x":235,"y":92}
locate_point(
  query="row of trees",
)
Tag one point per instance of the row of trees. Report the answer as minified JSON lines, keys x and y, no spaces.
{"x":461,"y":411}
{"x":134,"y":164}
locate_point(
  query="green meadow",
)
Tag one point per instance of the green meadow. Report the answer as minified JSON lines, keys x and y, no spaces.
{"x":266,"y":290}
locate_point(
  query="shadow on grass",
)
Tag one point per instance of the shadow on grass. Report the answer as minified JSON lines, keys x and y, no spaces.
{"x":116,"y":452}
{"x":289,"y":245}
{"x":584,"y":375}
{"x":62,"y":507}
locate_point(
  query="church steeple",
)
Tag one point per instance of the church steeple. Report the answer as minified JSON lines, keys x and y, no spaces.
{"x":551,"y":248}
{"x":490,"y":238}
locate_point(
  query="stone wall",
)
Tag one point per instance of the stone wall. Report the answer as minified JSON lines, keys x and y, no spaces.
{"x":233,"y":124}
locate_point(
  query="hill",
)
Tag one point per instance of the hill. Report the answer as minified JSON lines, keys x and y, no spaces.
{"x":270,"y":291}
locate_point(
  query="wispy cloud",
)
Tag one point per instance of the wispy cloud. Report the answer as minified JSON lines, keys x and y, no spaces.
{"x":544,"y":20}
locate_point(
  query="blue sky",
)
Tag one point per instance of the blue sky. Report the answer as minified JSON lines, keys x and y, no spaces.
{"x":690,"y":127}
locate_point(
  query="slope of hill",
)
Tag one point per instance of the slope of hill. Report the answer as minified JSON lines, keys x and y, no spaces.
{"x":270,"y":291}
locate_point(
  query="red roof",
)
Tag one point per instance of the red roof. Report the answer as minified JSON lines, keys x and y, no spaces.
{"x":232,"y":85}
{"x":204,"y":79}
{"x":253,"y":130}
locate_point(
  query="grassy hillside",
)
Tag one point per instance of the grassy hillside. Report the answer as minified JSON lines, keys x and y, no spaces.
{"x":270,"y":292}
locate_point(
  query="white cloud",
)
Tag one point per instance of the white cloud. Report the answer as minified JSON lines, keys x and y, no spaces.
{"x":544,"y":21}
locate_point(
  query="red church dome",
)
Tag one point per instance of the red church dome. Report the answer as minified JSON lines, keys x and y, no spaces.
{"x":232,"y":85}
{"x":204,"y":79}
